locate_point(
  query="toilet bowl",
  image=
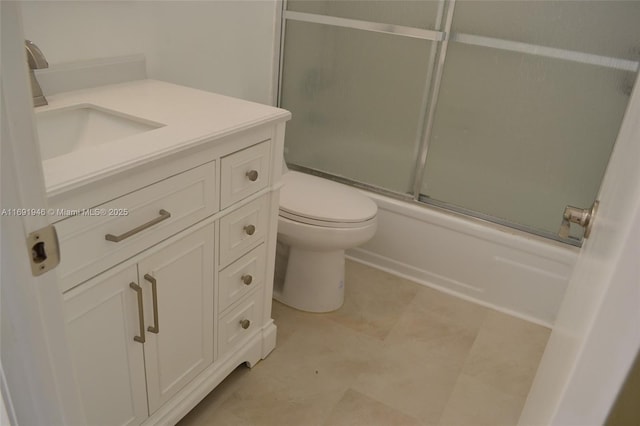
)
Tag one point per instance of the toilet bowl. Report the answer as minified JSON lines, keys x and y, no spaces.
{"x":318,"y":220}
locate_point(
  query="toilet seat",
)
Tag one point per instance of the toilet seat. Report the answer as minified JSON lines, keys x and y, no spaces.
{"x":316,"y":201}
{"x":324,"y":223}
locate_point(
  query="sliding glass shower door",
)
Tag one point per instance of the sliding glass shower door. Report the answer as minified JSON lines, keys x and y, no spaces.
{"x":531,"y":100}
{"x":507,"y":111}
{"x":357,"y":90}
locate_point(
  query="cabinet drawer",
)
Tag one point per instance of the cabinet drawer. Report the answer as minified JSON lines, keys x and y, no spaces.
{"x":152,"y":214}
{"x":243,"y":230}
{"x":241,"y":277}
{"x":239,"y":323}
{"x":244,"y":173}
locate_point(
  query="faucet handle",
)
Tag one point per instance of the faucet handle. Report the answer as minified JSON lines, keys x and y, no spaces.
{"x":35,"y":57}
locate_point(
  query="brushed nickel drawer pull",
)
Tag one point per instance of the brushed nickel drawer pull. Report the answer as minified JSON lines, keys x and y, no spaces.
{"x":138,"y":290}
{"x":245,"y":323}
{"x":250,"y":229}
{"x":155,"y":328}
{"x":247,"y":279}
{"x":164,"y":215}
{"x":252,"y":175}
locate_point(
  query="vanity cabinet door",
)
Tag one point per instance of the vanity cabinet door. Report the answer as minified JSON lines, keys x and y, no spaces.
{"x":102,"y":320}
{"x":182,"y":345}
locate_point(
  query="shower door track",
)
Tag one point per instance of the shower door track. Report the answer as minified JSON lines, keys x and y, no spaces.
{"x":442,"y":206}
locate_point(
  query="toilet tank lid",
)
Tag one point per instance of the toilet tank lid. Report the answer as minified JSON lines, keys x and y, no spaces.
{"x":325,"y":200}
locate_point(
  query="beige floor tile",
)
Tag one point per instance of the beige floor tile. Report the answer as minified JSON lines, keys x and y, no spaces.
{"x":474,"y":403}
{"x":374,"y":300}
{"x":288,"y":320}
{"x":267,"y":399}
{"x":323,"y":351}
{"x":356,"y":409}
{"x":206,"y":412}
{"x":396,"y":353}
{"x":305,"y":376}
{"x":506,"y":353}
{"x":222,"y":417}
{"x":447,"y":323}
{"x":412,"y":377}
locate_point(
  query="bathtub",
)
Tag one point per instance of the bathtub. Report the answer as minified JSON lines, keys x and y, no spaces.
{"x":495,"y":266}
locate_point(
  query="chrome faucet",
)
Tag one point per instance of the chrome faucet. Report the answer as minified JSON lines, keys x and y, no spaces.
{"x":36,"y":61}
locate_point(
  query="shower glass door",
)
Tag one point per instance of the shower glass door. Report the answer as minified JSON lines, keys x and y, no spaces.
{"x":531,"y":100}
{"x":355,"y":74}
{"x":503,"y":110}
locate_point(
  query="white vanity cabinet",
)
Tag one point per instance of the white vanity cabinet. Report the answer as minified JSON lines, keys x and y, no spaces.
{"x":163,"y":302}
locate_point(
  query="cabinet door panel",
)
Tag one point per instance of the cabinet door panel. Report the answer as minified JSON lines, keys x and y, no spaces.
{"x":183,"y":346}
{"x":102,"y":320}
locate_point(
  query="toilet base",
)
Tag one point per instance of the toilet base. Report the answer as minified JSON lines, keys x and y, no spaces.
{"x":314,"y":280}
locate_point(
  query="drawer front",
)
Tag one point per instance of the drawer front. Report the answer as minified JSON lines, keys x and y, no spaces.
{"x":242,"y":276}
{"x":119,"y":229}
{"x":239,"y":323}
{"x":242,"y":230}
{"x":244,"y":173}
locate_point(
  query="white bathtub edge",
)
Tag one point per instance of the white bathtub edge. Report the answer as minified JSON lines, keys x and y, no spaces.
{"x":475,"y":227}
{"x":504,"y":269}
{"x":396,"y":268}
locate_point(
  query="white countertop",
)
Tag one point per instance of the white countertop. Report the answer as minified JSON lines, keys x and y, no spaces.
{"x":190,"y":116}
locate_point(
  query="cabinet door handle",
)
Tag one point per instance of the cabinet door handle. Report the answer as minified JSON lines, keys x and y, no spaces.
{"x":245,"y":323}
{"x":155,"y":328}
{"x":247,"y":279}
{"x":252,"y":175}
{"x":138,"y":290}
{"x":164,"y":215}
{"x":249,"y":229}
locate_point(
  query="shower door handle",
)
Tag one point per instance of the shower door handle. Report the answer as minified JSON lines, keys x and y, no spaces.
{"x":583,"y":217}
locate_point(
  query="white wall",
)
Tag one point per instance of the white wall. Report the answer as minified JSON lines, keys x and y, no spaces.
{"x":224,"y":46}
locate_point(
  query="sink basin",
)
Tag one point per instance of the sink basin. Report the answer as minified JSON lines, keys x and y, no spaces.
{"x":65,"y":130}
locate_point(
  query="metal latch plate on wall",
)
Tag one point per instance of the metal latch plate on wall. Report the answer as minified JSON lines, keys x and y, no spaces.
{"x":44,"y":250}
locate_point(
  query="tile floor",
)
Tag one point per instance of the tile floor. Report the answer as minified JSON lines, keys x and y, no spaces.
{"x":397,"y":353}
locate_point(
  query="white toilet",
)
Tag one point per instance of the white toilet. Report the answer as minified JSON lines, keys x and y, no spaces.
{"x":318,"y":220}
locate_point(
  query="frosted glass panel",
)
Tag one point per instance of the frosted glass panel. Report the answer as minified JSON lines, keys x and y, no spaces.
{"x":410,"y":13}
{"x":356,"y":101}
{"x":519,"y":137}
{"x":609,"y":28}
